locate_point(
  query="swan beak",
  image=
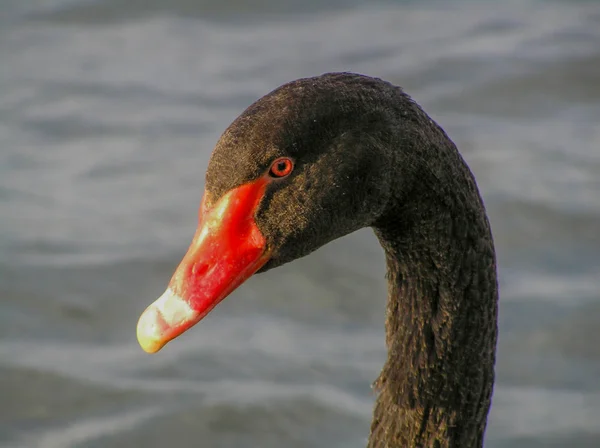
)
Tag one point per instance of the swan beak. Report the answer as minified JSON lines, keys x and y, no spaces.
{"x":226,"y":250}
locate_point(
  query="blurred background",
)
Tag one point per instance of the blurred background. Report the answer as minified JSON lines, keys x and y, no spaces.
{"x":109,"y":110}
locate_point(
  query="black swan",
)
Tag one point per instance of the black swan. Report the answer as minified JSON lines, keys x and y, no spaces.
{"x":319,"y":158}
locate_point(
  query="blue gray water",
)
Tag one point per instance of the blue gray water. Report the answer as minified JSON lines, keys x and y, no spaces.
{"x":108,"y":113}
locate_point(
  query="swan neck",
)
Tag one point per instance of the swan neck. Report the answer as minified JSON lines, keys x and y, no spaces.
{"x":441,"y":324}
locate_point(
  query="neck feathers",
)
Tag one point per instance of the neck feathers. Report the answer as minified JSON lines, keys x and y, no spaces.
{"x":441,"y":327}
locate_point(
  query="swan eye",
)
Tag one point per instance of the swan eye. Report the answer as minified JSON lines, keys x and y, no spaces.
{"x":281,"y":167}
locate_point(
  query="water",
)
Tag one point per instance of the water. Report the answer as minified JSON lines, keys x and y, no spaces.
{"x":108,"y":113}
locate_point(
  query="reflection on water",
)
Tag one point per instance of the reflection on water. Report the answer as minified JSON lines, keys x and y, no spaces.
{"x":108,"y":113}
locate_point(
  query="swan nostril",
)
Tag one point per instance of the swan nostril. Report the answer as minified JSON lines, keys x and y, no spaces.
{"x":200,"y":268}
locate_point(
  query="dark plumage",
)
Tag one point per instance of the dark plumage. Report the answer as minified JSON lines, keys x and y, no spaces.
{"x":367,"y":155}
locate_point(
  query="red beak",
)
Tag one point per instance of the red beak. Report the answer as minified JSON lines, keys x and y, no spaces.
{"x":227,"y":248}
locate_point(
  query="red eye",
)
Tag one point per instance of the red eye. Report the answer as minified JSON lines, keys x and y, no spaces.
{"x":281,"y":167}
